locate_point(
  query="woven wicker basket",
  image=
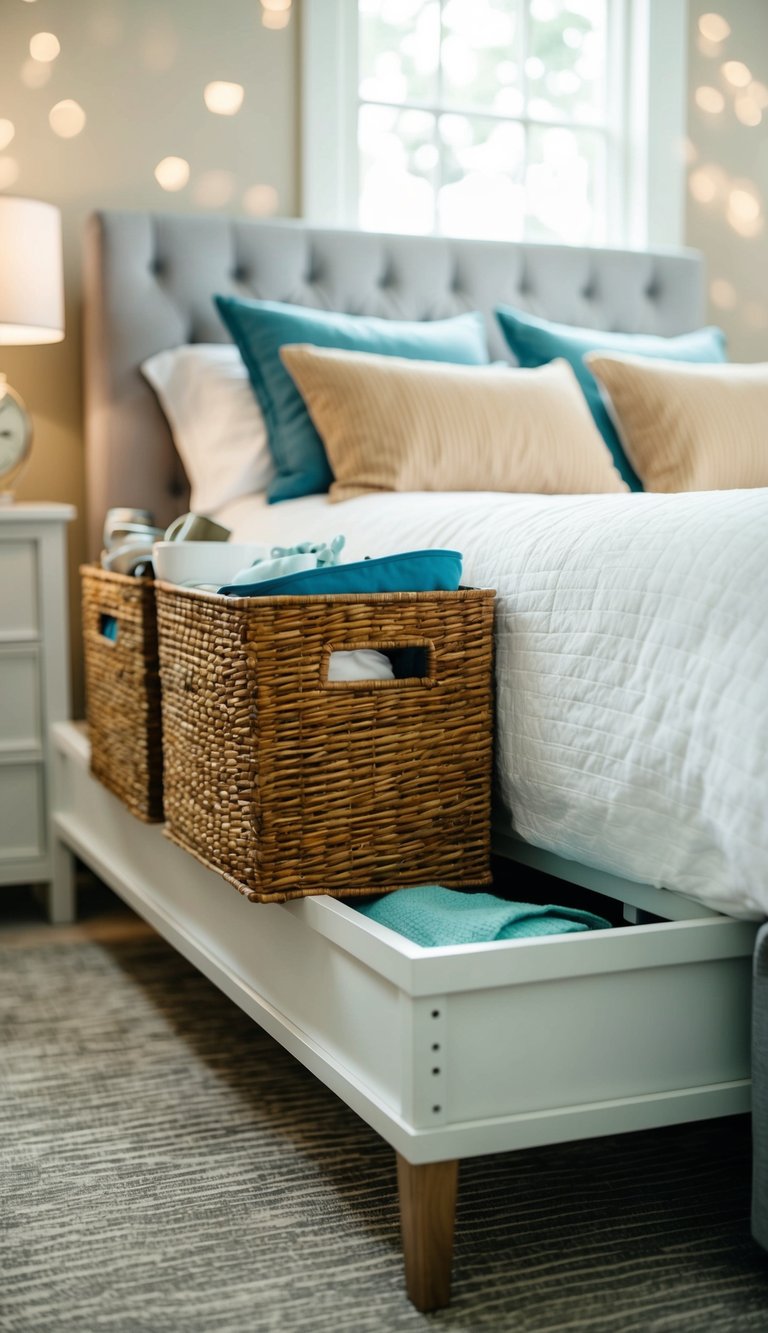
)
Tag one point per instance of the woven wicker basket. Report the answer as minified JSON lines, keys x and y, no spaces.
{"x":122,"y":683}
{"x":289,"y":784}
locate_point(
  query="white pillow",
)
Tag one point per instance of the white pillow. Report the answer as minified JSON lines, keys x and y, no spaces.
{"x":216,"y":422}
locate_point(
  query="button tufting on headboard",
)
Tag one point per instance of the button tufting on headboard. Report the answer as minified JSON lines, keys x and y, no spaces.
{"x":185,"y":259}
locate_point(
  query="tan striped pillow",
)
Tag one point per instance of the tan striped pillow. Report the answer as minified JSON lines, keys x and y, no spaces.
{"x":688,"y":427}
{"x":390,"y":424}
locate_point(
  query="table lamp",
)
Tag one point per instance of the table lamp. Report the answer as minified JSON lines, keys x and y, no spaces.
{"x":31,"y":311}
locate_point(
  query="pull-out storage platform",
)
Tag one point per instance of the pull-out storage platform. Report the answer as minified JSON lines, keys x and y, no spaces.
{"x":448,"y":1052}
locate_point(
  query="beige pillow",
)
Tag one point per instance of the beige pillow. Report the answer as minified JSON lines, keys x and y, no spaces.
{"x":688,"y":427}
{"x":390,"y":424}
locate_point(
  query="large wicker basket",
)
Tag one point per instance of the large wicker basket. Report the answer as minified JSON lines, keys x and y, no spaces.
{"x":289,"y":784}
{"x":122,"y":684}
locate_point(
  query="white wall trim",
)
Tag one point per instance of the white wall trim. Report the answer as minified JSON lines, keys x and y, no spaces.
{"x":329,"y":163}
{"x":657,"y":63}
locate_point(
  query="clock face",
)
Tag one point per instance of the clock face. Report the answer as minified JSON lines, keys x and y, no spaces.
{"x":15,"y":433}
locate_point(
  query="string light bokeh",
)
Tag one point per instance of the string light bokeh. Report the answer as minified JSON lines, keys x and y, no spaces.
{"x":275,"y":14}
{"x":729,"y":199}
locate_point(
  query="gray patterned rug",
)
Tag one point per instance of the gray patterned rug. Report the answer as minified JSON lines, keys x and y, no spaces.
{"x":166,"y":1167}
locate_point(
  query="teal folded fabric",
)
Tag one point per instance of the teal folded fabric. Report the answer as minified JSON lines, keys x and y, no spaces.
{"x":412,"y":571}
{"x":433,"y":916}
{"x":261,"y":328}
{"x":535,"y":342}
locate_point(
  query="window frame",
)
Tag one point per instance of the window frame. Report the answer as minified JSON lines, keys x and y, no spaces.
{"x":646,"y":158}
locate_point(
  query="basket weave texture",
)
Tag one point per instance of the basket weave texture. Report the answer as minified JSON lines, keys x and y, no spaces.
{"x":122,"y":684}
{"x":289,"y":784}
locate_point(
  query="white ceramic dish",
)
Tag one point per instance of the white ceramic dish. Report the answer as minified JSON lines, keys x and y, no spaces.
{"x":205,"y":563}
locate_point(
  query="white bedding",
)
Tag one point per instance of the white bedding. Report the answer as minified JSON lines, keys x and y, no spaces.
{"x":632,"y":666}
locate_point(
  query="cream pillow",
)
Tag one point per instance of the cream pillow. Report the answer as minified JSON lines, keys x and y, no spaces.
{"x":390,"y":424}
{"x":688,"y":427}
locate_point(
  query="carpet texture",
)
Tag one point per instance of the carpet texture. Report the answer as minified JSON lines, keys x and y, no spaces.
{"x":166,"y":1167}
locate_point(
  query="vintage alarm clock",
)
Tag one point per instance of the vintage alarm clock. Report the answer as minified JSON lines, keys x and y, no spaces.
{"x":15,"y":438}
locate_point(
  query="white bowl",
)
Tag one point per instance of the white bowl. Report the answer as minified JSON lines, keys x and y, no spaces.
{"x":208,"y":563}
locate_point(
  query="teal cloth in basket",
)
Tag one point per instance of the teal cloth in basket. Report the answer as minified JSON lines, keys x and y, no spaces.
{"x":411,"y":571}
{"x":261,"y":328}
{"x":432,"y":916}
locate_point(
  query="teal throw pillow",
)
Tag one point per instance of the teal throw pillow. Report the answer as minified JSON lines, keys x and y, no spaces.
{"x":411,"y":571}
{"x":261,"y":328}
{"x":534,"y":342}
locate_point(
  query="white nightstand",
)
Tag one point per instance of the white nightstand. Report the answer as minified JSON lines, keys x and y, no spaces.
{"x":34,"y":690}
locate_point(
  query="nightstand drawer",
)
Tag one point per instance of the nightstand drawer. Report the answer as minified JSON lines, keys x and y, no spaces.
{"x":21,"y":722}
{"x":19,"y":610}
{"x":22,"y":822}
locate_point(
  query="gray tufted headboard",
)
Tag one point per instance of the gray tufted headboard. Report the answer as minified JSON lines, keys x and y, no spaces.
{"x":149,"y":279}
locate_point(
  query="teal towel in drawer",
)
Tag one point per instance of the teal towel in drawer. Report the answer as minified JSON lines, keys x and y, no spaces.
{"x":433,"y":916}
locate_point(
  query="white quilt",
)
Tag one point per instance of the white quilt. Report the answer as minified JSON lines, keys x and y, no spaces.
{"x":632,"y":666}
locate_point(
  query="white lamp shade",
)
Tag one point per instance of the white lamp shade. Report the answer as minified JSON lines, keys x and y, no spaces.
{"x":31,"y":280}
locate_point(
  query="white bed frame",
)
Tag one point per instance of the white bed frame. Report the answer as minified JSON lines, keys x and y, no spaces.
{"x":448,"y":1052}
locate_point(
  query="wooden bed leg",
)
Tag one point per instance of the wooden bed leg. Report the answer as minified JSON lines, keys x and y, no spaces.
{"x":427,"y":1214}
{"x":62,"y":901}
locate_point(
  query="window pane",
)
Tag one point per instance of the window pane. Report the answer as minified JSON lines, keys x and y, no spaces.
{"x":476,"y":73}
{"x":566,"y":63}
{"x":398,"y":161}
{"x":480,"y":55}
{"x":482,"y":190}
{"x":399,"y":50}
{"x":565,"y":186}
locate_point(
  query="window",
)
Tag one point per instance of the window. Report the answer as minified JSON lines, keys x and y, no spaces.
{"x":503,"y":119}
{"x":484,"y":117}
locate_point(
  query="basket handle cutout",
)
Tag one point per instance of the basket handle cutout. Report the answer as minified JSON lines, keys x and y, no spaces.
{"x":108,"y":627}
{"x":413,"y":664}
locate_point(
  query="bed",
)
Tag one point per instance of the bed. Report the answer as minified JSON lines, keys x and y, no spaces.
{"x":466,"y":1050}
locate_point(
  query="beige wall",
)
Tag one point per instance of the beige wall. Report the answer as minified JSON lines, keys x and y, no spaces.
{"x":138,"y":69}
{"x":728,"y":156}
